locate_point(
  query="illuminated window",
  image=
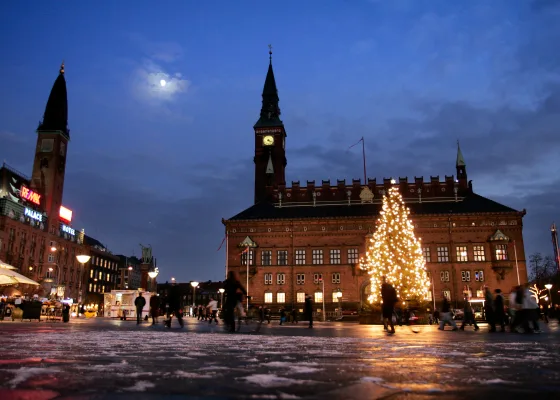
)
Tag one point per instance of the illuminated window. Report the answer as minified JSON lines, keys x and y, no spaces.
{"x":444,"y":276}
{"x":429,"y":296}
{"x":266,"y":257}
{"x":443,"y":254}
{"x":352,"y":256}
{"x":466,"y":276}
{"x":280,"y":297}
{"x":51,"y":258}
{"x":501,"y":252}
{"x":336,"y":277}
{"x":480,"y":294}
{"x":335,"y":256}
{"x":462,"y":254}
{"x":317,"y":256}
{"x":317,"y":278}
{"x":300,"y":297}
{"x":280,"y":279}
{"x":427,"y":255}
{"x":300,"y":279}
{"x":251,"y":258}
{"x":318,"y":297}
{"x":300,"y":257}
{"x":447,"y":294}
{"x":282,"y":257}
{"x":91,"y":273}
{"x":335,"y":298}
{"x":268,"y":297}
{"x":479,"y":276}
{"x":268,"y":279}
{"x":478,"y":251}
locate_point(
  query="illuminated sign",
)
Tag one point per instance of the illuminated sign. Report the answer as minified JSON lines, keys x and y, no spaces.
{"x":37,"y":216}
{"x":67,"y":229}
{"x":29,"y":195}
{"x":65,"y":214}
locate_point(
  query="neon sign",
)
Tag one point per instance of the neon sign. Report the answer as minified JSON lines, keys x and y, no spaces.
{"x":67,"y":229}
{"x":30,"y":195}
{"x":65,"y":214}
{"x":37,"y":216}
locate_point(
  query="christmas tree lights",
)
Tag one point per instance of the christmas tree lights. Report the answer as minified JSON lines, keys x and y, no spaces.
{"x":394,"y":252}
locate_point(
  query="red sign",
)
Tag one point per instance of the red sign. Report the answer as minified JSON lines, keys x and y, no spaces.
{"x":30,"y":195}
{"x":65,"y":214}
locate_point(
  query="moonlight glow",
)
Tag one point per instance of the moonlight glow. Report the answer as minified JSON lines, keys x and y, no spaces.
{"x":162,"y":82}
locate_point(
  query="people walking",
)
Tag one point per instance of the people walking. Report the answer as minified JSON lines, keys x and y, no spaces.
{"x":489,"y":309}
{"x":234,"y":292}
{"x":389,"y":297}
{"x":154,"y":308}
{"x":139,"y":302}
{"x":213,"y":308}
{"x":468,"y":316}
{"x":308,"y":309}
{"x":173,"y":305}
{"x":446,"y":317}
{"x":499,"y":312}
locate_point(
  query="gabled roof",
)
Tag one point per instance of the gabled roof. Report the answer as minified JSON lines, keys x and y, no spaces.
{"x":472,"y":203}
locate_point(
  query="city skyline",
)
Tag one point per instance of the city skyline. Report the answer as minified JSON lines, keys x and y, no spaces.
{"x":166,"y":162}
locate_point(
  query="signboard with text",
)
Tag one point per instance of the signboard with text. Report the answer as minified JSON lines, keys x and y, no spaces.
{"x":29,"y":195}
{"x":35,"y":215}
{"x":68,"y":230}
{"x":65,"y":214}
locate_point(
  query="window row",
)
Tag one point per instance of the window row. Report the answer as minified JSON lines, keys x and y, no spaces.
{"x":317,"y":257}
{"x":300,"y":278}
{"x":462,"y":255}
{"x":300,"y":297}
{"x":465,"y":276}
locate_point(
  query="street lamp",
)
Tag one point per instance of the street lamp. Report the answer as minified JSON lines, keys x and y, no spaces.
{"x":152,"y":274}
{"x":82,"y":259}
{"x":339,"y":297}
{"x":549,"y":286}
{"x":221,"y":290}
{"x":194,"y":284}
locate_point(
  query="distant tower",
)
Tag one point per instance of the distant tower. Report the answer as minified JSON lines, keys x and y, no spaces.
{"x":554,"y":234}
{"x":49,"y":164}
{"x":270,"y":141}
{"x":461,"y":169}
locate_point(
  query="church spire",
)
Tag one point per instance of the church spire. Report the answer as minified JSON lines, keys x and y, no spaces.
{"x":270,"y":110}
{"x":460,"y":159}
{"x":461,"y":169}
{"x":56,"y":111}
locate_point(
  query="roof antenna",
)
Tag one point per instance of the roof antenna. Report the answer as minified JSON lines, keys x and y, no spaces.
{"x":270,"y":53}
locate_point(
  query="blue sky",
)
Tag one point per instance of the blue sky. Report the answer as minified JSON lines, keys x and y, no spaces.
{"x":162,"y":166}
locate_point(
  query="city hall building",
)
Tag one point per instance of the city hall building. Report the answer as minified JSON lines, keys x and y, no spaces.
{"x":308,"y":238}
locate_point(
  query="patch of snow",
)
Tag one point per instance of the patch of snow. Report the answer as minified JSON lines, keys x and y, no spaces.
{"x":24,"y":373}
{"x":453,"y":365}
{"x":193,"y":375}
{"x":373,"y":379}
{"x":271,"y":380}
{"x":496,"y":381}
{"x":140,"y":386}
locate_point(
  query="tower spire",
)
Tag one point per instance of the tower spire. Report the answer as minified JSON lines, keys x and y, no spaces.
{"x":55,"y":117}
{"x":460,"y":159}
{"x":270,"y":110}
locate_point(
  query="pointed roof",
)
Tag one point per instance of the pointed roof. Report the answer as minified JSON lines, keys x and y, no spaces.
{"x":270,"y":110}
{"x":460,"y":159}
{"x":56,"y":111}
{"x":269,"y":167}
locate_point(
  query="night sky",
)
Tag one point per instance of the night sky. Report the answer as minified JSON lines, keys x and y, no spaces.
{"x":162,"y":165}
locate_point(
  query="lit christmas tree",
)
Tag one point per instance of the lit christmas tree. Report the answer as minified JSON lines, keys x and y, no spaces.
{"x":394,"y":252}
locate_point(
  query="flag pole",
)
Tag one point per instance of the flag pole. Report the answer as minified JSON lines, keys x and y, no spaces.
{"x":516,"y":263}
{"x":247,"y":295}
{"x":364,"y":159}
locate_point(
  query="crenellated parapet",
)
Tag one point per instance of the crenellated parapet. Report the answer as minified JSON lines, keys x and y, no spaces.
{"x":342,"y":191}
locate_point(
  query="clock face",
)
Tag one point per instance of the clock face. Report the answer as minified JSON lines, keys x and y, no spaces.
{"x":268,"y":140}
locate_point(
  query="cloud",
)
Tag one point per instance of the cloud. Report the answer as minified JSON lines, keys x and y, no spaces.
{"x":153,"y":82}
{"x":164,"y":51}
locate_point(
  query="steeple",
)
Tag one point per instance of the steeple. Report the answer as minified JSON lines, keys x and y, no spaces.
{"x":269,"y":166}
{"x":461,"y":169}
{"x":460,"y":159}
{"x":270,"y":110}
{"x":56,"y":111}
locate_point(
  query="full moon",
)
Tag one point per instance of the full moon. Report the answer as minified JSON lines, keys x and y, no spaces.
{"x":162,"y":82}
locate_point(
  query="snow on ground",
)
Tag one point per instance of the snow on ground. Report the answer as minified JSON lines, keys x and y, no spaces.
{"x":265,"y":365}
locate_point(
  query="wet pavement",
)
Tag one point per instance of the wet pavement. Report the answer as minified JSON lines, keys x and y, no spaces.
{"x":108,"y":359}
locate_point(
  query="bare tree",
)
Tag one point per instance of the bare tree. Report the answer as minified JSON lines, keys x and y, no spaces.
{"x":541,"y":268}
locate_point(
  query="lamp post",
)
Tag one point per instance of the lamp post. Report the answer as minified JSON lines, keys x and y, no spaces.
{"x":221,"y":290}
{"x":152,"y":274}
{"x":194,"y":284}
{"x":82,"y":259}
{"x":339,"y":297}
{"x":323,"y":296}
{"x":548,"y":286}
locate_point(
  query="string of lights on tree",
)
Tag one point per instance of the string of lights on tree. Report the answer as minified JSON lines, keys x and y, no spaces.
{"x":394,"y":252}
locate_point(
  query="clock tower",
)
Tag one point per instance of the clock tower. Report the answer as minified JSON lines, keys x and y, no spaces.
{"x":270,"y":141}
{"x":49,"y":164}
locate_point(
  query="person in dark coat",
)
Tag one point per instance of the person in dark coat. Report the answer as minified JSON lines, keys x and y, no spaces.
{"x":154,"y":308}
{"x":139,"y":302}
{"x":308,"y":310}
{"x":499,"y":313}
{"x":389,"y":296}
{"x":174,"y":302}
{"x":233,"y":293}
